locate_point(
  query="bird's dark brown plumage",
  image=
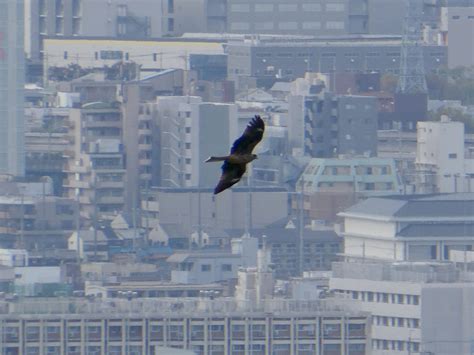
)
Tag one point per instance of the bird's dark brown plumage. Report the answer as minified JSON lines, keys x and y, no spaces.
{"x":240,"y":154}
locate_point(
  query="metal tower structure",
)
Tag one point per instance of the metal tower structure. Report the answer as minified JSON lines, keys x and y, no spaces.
{"x":412,"y":70}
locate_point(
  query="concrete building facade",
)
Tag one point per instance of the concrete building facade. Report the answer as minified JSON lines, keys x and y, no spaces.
{"x":268,"y":60}
{"x":409,"y":304}
{"x":95,"y":165}
{"x":163,"y":53}
{"x":190,"y":132}
{"x":457,"y":21}
{"x":409,"y":227}
{"x":443,"y":164}
{"x":145,"y":326}
{"x":65,"y":18}
{"x":36,"y":222}
{"x":12,"y":73}
{"x":326,"y":125}
{"x":298,"y":17}
{"x":229,"y":211}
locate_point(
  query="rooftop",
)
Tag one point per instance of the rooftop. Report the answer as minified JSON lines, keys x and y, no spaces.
{"x":172,"y":307}
{"x":430,"y":207}
{"x":416,"y":272}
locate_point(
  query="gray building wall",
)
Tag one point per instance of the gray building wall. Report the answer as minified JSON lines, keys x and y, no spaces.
{"x":297,"y":17}
{"x":328,"y":125}
{"x":357,"y":122}
{"x":267,"y":61}
{"x":460,"y":36}
{"x":216,"y":133}
{"x":50,"y":18}
{"x":12,"y":73}
{"x":148,"y":12}
{"x":447,"y":319}
{"x":67,"y":18}
{"x":226,"y":211}
{"x":386,"y":16}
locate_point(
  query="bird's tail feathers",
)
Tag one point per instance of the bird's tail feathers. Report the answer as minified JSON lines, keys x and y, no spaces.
{"x":212,"y":159}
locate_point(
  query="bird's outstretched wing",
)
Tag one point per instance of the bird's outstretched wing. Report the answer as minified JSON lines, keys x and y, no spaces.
{"x":250,"y":138}
{"x":231,"y":174}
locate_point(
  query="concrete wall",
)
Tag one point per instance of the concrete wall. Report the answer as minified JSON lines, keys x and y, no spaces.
{"x":170,"y":54}
{"x":288,"y":17}
{"x":460,"y":47}
{"x":216,"y":134}
{"x":447,"y":318}
{"x":12,"y":73}
{"x":228,"y":211}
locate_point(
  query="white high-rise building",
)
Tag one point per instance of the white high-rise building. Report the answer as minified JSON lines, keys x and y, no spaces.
{"x":441,"y":161}
{"x":191,"y":131}
{"x":12,"y":72}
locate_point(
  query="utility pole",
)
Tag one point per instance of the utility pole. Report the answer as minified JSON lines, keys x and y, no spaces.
{"x":301,"y":227}
{"x":78,"y":226}
{"x":248,"y":212}
{"x":95,"y":214}
{"x":147,"y":222}
{"x":134,"y":221}
{"x":22,"y":220}
{"x":199,"y":217}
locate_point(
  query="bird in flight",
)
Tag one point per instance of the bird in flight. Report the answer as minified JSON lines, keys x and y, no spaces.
{"x":240,"y":155}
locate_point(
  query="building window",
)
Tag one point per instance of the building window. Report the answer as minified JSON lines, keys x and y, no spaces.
{"x":263,"y":7}
{"x":311,"y":7}
{"x":264,"y":26}
{"x":205,"y":267}
{"x":311,"y":25}
{"x":452,"y":156}
{"x":240,"y":8}
{"x":226,"y":267}
{"x":59,"y":25}
{"x":287,"y":7}
{"x":170,"y":6}
{"x":239,"y":26}
{"x":335,"y":7}
{"x":110,"y":55}
{"x":335,"y":25}
{"x":288,"y":25}
{"x":170,"y":24}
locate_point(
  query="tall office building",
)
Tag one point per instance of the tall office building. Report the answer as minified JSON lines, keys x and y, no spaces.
{"x":11,"y":88}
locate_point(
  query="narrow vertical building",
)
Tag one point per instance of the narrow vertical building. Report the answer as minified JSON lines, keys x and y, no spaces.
{"x":12,"y":72}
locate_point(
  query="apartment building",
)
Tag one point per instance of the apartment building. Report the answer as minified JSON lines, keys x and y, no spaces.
{"x":443,"y":164}
{"x":95,"y":161}
{"x":138,"y":326}
{"x":330,"y":186}
{"x":190,"y":132}
{"x":35,"y":222}
{"x":323,"y":125}
{"x":406,"y":301}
